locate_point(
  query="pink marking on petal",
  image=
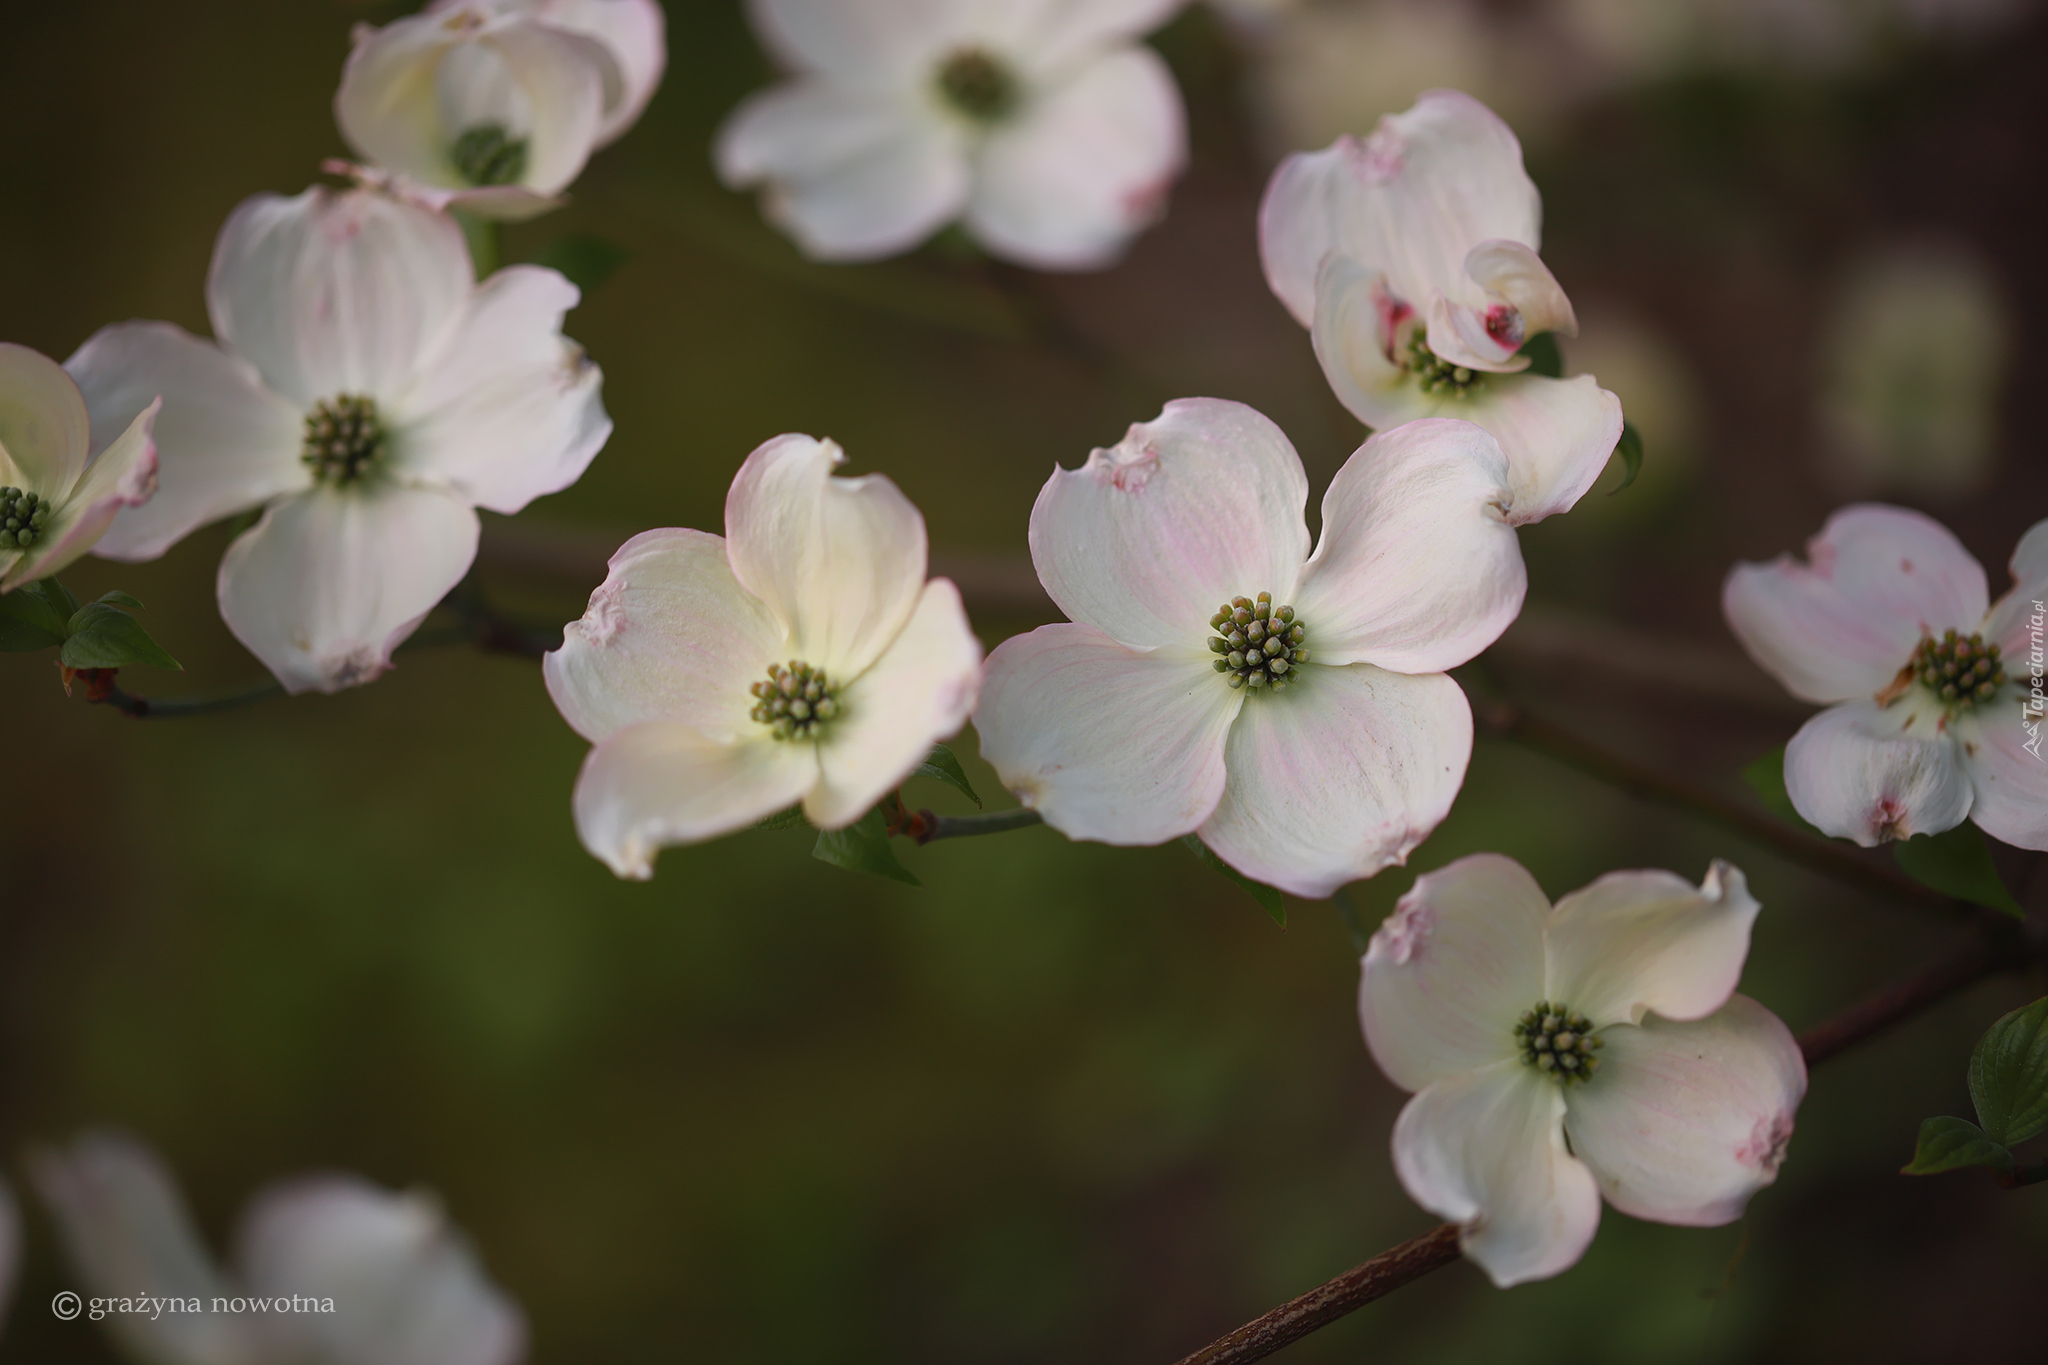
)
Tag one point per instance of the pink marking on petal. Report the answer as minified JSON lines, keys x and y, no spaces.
{"x":1145,"y":204}
{"x":1887,"y":818}
{"x":1504,"y":324}
{"x":1905,"y":566}
{"x":1129,"y":465}
{"x":1406,"y":932}
{"x":1765,"y":1147}
{"x":604,"y":618}
{"x":1380,"y":156}
{"x":1393,"y":312}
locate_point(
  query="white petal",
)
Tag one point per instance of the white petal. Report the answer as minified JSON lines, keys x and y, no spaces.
{"x":1417,"y":569}
{"x":1516,"y":297}
{"x":2005,"y":757}
{"x":337,"y":291}
{"x":44,"y":428}
{"x":224,"y":442}
{"x":2011,"y":622}
{"x":1686,"y":1121}
{"x":669,"y":635}
{"x":1065,"y":184}
{"x":1151,"y":536}
{"x":1843,"y":624}
{"x":851,"y":176}
{"x":388,"y":106}
{"x":1514,"y":272}
{"x":561,"y":76}
{"x":1643,"y":940}
{"x":329,"y":582}
{"x":1340,"y":775}
{"x":1106,"y":742}
{"x":1557,"y":434}
{"x":633,"y":35}
{"x":1064,"y":30}
{"x":1447,"y":975}
{"x":123,"y":475}
{"x":1302,"y":216}
{"x":919,"y":692}
{"x":1856,"y":771}
{"x":862,"y":43}
{"x":661,"y":782}
{"x":405,"y":1286}
{"x":1355,"y":321}
{"x":839,"y":561}
{"x":1486,"y":1150}
{"x":511,"y":409}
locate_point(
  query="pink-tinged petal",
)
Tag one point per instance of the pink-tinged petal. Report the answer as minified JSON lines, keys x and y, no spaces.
{"x":1557,"y":434}
{"x":1858,"y":771}
{"x":388,"y":106}
{"x":1106,"y":742}
{"x":839,"y":561}
{"x":224,"y":442}
{"x":1517,"y":274}
{"x":634,"y":37}
{"x":561,"y":77}
{"x":1149,"y":538}
{"x":337,"y":291}
{"x":1486,"y":1150}
{"x":661,"y":783}
{"x":329,"y":582}
{"x":1517,"y":298}
{"x":45,"y":430}
{"x":1065,"y":184}
{"x":1686,"y":1121}
{"x":1642,"y":940}
{"x":852,"y":176}
{"x":1355,"y":321}
{"x":863,"y":44}
{"x":669,"y":635}
{"x":1064,"y":30}
{"x":123,"y":475}
{"x":919,"y":692}
{"x":1338,"y":776}
{"x":511,"y":409}
{"x":1840,"y":626}
{"x":2015,"y":618}
{"x":2005,"y":756}
{"x":1417,"y":569}
{"x":1450,"y":971}
{"x":1301,"y":220}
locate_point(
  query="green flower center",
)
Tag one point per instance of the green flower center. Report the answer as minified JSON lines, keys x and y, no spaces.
{"x":1260,"y":645}
{"x":22,"y":518}
{"x":796,"y":700}
{"x":1558,"y":1043}
{"x":1435,"y":374}
{"x":1961,"y":670}
{"x":977,"y":86}
{"x":488,"y":154}
{"x":344,"y":439}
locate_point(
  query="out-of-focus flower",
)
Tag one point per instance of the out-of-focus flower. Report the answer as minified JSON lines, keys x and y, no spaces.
{"x":55,"y":504}
{"x":354,"y":1274}
{"x":496,"y":105}
{"x":802,"y":657}
{"x":1915,"y":355}
{"x":1411,"y":256}
{"x":1933,"y":699}
{"x":10,"y":1248}
{"x":1608,"y":1021}
{"x":1047,"y":130}
{"x":368,"y":395}
{"x":1218,"y":679}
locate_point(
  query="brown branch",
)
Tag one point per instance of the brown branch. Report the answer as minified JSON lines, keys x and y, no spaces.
{"x":1990,"y":954}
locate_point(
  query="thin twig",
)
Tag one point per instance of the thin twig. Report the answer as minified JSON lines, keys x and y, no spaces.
{"x":1989,"y":955}
{"x":924,"y":826}
{"x":173,"y":708}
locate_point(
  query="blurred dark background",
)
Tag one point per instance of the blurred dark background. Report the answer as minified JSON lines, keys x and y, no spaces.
{"x":1065,"y":1103}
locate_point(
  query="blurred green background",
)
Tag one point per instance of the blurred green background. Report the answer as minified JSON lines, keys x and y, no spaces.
{"x":1065,"y":1103}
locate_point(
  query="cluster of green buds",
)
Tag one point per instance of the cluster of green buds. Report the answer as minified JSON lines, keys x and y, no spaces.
{"x":1435,"y":374}
{"x":1558,"y":1042}
{"x":488,"y":154}
{"x":1959,"y":668}
{"x":795,"y":700}
{"x":344,"y":438}
{"x":1260,"y":645}
{"x":977,"y":85}
{"x":22,"y":518}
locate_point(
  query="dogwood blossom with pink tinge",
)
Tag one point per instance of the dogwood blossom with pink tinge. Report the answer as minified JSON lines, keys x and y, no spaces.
{"x":1608,"y":1022}
{"x":1045,"y":128}
{"x":1218,"y":679}
{"x":1411,"y":257}
{"x":1932,"y":689}
{"x":801,"y":657}
{"x":365,"y":392}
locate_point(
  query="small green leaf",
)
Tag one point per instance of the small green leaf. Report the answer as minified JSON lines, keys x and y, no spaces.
{"x":1948,"y":1144}
{"x":1265,"y":895}
{"x":31,"y":617}
{"x":1956,"y":862}
{"x":792,"y":818}
{"x":863,"y":847}
{"x":1766,"y":778}
{"x":2009,"y":1075}
{"x":107,"y":637}
{"x":1545,"y":356}
{"x":1630,"y":448}
{"x":117,"y":598}
{"x":587,"y":261}
{"x":941,"y":764}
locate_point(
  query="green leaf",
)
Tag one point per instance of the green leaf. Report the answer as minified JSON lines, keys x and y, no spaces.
{"x":2009,"y":1075}
{"x":1766,"y":778}
{"x":1948,"y":1144}
{"x":107,"y":637}
{"x":1265,"y":895}
{"x":117,"y":598}
{"x":588,"y":261}
{"x":863,"y":847}
{"x":1956,"y":862}
{"x":1545,"y":356}
{"x":782,"y":819}
{"x":32,"y":617}
{"x":1630,"y":448}
{"x":941,"y":764}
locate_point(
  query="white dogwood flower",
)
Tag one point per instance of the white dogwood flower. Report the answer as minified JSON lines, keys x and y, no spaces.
{"x":1933,"y":707}
{"x":801,"y":657}
{"x":55,"y":504}
{"x":1411,"y":257}
{"x":351,"y":1274}
{"x":496,"y":105}
{"x":1608,"y":1022}
{"x":1218,"y":679}
{"x":1047,"y":130}
{"x":366,"y":393}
